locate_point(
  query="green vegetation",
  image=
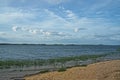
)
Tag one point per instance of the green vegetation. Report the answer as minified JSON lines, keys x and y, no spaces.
{"x":84,"y":65}
{"x":118,"y":50}
{"x":26,"y":63}
{"x":74,"y":58}
{"x":19,"y":63}
{"x":62,"y":69}
{"x":44,"y":71}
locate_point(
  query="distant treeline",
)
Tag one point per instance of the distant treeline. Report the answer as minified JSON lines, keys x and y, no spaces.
{"x":57,"y":44}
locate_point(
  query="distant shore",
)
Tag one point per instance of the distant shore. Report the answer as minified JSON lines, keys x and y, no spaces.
{"x":57,"y":44}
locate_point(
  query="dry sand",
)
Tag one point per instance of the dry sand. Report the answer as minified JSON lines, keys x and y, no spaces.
{"x":109,"y":70}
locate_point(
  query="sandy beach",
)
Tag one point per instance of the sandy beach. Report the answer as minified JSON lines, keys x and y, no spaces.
{"x":108,"y":70}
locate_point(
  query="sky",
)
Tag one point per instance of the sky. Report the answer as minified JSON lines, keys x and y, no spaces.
{"x":60,"y":21}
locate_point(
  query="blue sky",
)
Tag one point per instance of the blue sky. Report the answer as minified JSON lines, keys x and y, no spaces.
{"x":60,"y":21}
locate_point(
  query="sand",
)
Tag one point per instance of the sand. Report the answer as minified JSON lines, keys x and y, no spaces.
{"x":108,"y":70}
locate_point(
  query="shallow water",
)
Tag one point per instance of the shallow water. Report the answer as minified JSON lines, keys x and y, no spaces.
{"x":51,"y":51}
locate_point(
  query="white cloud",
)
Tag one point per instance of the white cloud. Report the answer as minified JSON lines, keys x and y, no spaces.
{"x":78,"y":29}
{"x":55,"y":34}
{"x":47,"y":33}
{"x":33,"y":31}
{"x":54,"y":16}
{"x":37,"y":31}
{"x":26,"y":29}
{"x":55,"y":1}
{"x":16,"y":28}
{"x":71,"y":15}
{"x":61,"y":7}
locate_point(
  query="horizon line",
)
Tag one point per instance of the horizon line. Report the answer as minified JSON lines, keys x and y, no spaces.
{"x":51,"y":44}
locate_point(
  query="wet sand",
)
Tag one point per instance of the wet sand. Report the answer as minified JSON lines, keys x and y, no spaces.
{"x":108,"y":70}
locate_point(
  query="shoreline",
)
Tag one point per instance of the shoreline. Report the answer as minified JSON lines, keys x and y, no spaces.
{"x":6,"y":64}
{"x":19,"y":75}
{"x":105,"y":70}
{"x":20,"y":72}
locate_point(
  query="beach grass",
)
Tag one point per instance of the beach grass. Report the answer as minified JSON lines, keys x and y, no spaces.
{"x":27,"y":63}
{"x":74,"y":58}
{"x":44,"y":71}
{"x":62,"y":69}
{"x":19,"y":63}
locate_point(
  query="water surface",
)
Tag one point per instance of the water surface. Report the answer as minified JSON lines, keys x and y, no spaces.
{"x":51,"y":51}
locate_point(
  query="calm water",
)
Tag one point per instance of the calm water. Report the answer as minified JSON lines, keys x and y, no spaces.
{"x":45,"y":52}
